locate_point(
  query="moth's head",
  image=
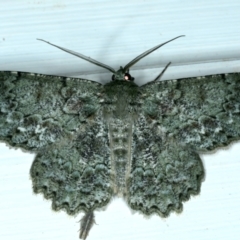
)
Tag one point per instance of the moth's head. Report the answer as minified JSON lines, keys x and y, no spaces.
{"x":122,"y":75}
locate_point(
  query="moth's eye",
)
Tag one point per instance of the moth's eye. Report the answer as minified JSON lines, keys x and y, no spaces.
{"x":113,"y":77}
{"x":128,"y":77}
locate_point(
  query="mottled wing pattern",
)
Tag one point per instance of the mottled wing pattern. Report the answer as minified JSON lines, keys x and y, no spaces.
{"x":59,"y":119}
{"x":177,"y":120}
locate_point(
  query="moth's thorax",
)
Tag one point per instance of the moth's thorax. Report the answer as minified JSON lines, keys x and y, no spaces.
{"x":120,"y":99}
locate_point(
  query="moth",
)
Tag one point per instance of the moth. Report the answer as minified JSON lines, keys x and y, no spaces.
{"x":94,"y":141}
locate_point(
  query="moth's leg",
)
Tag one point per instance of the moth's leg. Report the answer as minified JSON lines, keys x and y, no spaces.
{"x":161,"y":73}
{"x":86,"y":224}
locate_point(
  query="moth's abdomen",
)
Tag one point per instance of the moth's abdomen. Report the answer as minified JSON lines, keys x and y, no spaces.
{"x":120,"y":135}
{"x":120,"y":110}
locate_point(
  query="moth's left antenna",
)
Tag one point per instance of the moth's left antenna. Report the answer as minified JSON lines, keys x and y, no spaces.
{"x":144,"y":54}
{"x":82,"y":56}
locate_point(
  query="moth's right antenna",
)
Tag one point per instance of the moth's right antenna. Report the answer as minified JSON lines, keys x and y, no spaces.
{"x":82,"y":56}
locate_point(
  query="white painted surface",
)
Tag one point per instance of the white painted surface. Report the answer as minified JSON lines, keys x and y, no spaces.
{"x":115,"y":32}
